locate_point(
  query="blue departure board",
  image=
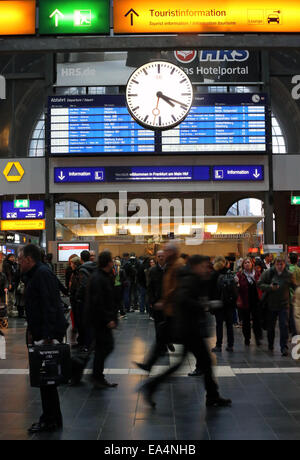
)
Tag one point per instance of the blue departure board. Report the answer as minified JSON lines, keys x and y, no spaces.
{"x":101,"y":125}
{"x":95,"y":125}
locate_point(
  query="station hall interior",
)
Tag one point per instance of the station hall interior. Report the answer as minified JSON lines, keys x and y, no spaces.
{"x":82,"y":169}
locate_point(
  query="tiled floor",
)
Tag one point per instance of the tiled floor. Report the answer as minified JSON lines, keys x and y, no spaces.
{"x":264,"y":387}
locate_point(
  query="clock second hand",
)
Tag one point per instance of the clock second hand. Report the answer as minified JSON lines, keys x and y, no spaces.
{"x":156,"y":110}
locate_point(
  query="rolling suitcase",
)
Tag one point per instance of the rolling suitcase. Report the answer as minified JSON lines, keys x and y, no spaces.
{"x":49,"y":364}
{"x":3,"y":316}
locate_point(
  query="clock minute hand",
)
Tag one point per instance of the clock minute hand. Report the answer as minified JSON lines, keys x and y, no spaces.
{"x":160,"y":95}
{"x":168,"y":99}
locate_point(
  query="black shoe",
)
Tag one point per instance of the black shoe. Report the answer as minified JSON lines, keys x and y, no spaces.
{"x":142,"y":366}
{"x":258,"y":342}
{"x":229,"y":349}
{"x":147,"y":394}
{"x":103,"y":383}
{"x":171,"y":347}
{"x":217,"y":349}
{"x":247,"y":343}
{"x":285,"y":352}
{"x":270,"y":348}
{"x":195,"y":373}
{"x":42,"y":427}
{"x":218,"y":402}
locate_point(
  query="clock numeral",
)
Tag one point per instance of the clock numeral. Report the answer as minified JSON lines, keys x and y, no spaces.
{"x":146,"y":118}
{"x":132,"y":95}
{"x":183,"y":80}
{"x":145,"y":71}
{"x":159,"y":120}
{"x":172,"y":71}
{"x":158,"y":68}
{"x":185,"y":94}
{"x":136,"y":108}
{"x":173,"y":118}
{"x":134,"y":81}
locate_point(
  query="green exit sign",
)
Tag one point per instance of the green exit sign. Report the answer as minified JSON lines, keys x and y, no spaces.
{"x":295,"y":200}
{"x":21,"y":204}
{"x":74,"y":17}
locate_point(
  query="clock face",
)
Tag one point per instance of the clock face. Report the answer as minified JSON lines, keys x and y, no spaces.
{"x":159,"y":95}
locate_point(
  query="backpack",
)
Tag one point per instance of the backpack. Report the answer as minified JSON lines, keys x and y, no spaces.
{"x":228,"y":289}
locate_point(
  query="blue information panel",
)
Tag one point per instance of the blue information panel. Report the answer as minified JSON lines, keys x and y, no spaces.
{"x":101,"y":125}
{"x":132,"y":174}
{"x":238,"y":173}
{"x":62,"y":175}
{"x":36,"y":210}
{"x":158,"y":174}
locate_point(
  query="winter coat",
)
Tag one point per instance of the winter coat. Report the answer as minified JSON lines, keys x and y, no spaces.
{"x":44,"y":312}
{"x":244,"y":291}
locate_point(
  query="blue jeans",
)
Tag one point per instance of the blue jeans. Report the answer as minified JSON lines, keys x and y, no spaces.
{"x":283,"y":316}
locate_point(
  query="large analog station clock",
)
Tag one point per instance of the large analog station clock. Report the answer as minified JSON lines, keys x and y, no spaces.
{"x":159,"y":95}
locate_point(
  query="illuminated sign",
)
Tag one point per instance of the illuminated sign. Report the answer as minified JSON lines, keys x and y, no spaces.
{"x":17,"y":17}
{"x":19,"y":225}
{"x":74,"y":17}
{"x":66,"y":250}
{"x":238,"y":173}
{"x":13,"y":171}
{"x":295,"y":199}
{"x":33,"y":210}
{"x":165,"y":16}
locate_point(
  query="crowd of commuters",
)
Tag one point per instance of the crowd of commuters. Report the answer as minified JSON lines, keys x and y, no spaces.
{"x":181,"y":294}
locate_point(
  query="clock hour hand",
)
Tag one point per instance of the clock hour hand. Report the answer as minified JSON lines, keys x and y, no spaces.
{"x":159,"y":94}
{"x":169,"y":99}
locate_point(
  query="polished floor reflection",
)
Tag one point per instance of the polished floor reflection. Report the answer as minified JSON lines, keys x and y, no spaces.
{"x":264,"y":387}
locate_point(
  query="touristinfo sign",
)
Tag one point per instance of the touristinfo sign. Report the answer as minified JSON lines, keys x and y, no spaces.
{"x":209,"y":66}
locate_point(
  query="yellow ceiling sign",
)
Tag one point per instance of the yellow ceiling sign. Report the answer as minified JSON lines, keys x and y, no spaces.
{"x":193,"y":16}
{"x":13,"y":178}
{"x":19,"y":225}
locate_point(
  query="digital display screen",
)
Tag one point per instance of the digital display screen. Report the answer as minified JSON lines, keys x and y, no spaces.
{"x":101,"y":125}
{"x":66,"y":250}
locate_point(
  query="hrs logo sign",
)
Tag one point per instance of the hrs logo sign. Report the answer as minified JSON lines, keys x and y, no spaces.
{"x":185,"y":57}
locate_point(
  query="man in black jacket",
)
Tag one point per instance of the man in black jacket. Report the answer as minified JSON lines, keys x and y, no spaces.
{"x":102,"y":315}
{"x":46,"y":322}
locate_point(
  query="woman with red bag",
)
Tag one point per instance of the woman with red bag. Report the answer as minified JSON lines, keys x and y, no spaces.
{"x":249,"y":301}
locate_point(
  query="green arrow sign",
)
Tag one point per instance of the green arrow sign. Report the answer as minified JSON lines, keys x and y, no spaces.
{"x":21,"y":204}
{"x":74,"y":17}
{"x":295,"y":200}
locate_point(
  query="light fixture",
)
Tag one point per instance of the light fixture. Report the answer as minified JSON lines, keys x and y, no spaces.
{"x":184,"y":229}
{"x":212,"y":228}
{"x":109,"y":229}
{"x":135,"y":229}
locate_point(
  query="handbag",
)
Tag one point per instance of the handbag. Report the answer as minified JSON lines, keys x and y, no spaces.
{"x":49,"y":365}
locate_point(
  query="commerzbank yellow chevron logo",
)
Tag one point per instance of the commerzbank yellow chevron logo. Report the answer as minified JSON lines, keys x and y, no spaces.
{"x":13,"y":165}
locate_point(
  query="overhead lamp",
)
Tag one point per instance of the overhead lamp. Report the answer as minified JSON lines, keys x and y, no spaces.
{"x":109,"y":229}
{"x":212,"y":228}
{"x":135,"y":229}
{"x":184,"y":229}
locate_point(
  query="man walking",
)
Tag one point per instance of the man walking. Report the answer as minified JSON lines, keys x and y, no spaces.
{"x":190,"y":325}
{"x":276,"y":282}
{"x":46,"y":322}
{"x":102,"y":316}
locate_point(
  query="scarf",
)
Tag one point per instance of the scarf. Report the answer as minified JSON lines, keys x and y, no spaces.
{"x":250,"y":276}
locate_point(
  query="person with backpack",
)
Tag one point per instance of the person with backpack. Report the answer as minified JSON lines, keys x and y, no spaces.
{"x":249,"y":301}
{"x":223,"y":288}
